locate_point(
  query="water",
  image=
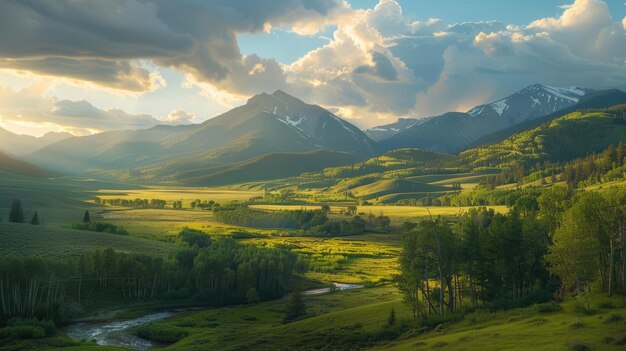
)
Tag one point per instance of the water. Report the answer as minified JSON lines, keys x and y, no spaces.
{"x":116,"y":333}
{"x":338,"y":287}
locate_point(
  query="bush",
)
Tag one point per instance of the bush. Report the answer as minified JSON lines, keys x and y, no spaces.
{"x":578,"y":346}
{"x":548,"y":307}
{"x":47,"y":326}
{"x":100,"y":227}
{"x":22,"y":332}
{"x":613,"y":318}
{"x":158,"y":333}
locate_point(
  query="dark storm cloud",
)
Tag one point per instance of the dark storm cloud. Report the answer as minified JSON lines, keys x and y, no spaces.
{"x":111,"y":36}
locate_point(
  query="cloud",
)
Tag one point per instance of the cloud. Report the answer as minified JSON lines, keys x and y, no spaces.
{"x":105,"y":41}
{"x":178,"y":117}
{"x":380,"y":64}
{"x":30,"y":107}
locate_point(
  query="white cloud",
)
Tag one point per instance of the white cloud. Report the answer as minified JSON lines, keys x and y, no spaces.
{"x":440,"y":67}
{"x":29,"y":107}
{"x":178,"y":117}
{"x":378,"y":64}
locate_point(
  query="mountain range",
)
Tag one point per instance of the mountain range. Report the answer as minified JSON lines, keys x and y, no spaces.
{"x":454,"y":131}
{"x":266,"y":124}
{"x":277,"y":135}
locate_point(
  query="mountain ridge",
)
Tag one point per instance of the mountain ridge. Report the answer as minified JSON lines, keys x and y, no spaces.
{"x":267,"y":123}
{"x":453,"y":131}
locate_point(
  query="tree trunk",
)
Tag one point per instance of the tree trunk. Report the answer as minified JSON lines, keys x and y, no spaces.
{"x":440,"y":271}
{"x":580,"y":296}
{"x":451,"y":295}
{"x":611,"y":267}
{"x":623,"y":232}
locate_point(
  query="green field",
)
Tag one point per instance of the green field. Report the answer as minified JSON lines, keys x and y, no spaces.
{"x":44,"y":240}
{"x":184,"y":194}
{"x":397,"y":214}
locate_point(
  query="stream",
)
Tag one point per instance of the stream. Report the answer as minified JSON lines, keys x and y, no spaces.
{"x":116,"y":333}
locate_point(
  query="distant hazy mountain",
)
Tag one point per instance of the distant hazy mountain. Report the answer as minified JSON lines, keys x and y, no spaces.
{"x":20,"y":145}
{"x":451,"y":132}
{"x":13,"y":166}
{"x":267,"y":123}
{"x":385,"y":131}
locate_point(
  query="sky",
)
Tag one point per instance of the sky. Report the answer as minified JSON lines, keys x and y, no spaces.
{"x":86,"y":66}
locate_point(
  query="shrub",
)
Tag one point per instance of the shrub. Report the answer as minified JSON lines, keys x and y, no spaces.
{"x":548,"y":307}
{"x":158,"y":333}
{"x":606,"y":305}
{"x":22,"y":332}
{"x":100,"y":227}
{"x":613,"y":318}
{"x":578,"y":346}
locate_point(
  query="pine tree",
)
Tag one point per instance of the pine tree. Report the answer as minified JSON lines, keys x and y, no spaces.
{"x":35,"y":219}
{"x":17,"y":212}
{"x":392,"y":317}
{"x":86,"y":217}
{"x":296,"y":307}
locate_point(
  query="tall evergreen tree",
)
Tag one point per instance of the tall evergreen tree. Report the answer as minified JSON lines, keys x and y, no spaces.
{"x":86,"y":217}
{"x":392,"y":317}
{"x":296,"y":307}
{"x":17,"y":212}
{"x":35,"y":219}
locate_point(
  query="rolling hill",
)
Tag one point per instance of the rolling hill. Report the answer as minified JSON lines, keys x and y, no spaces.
{"x":266,"y":124}
{"x":272,"y":166}
{"x":14,"y":166}
{"x":453,"y":131}
{"x":573,"y":135}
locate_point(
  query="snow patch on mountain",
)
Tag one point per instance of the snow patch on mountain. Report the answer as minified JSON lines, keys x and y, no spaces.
{"x":500,"y":106}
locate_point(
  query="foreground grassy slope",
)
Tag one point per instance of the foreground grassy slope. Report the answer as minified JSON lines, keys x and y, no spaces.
{"x":357,"y":319}
{"x":529,"y":328}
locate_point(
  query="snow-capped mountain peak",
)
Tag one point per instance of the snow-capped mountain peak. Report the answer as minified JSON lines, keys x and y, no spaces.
{"x":530,"y":102}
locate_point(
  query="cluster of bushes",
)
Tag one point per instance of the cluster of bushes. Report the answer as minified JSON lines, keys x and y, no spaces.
{"x":136,"y":203}
{"x":204,"y":205}
{"x":26,"y":328}
{"x":311,"y":222}
{"x":354,"y":226}
{"x":243,"y":215}
{"x":100,"y":227}
{"x":159,"y":333}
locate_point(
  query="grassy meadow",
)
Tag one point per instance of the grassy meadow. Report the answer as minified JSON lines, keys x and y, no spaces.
{"x":354,"y":319}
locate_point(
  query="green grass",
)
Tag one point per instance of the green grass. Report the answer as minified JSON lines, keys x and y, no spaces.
{"x":26,"y":239}
{"x":524,"y":329}
{"x":397,"y":214}
{"x":187,"y":195}
{"x":352,"y":319}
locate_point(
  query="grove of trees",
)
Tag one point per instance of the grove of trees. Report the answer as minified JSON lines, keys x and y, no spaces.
{"x":559,"y":242}
{"x":216,"y":272}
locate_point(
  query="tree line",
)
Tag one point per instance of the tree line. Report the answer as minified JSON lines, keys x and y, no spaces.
{"x":138,"y":203}
{"x":311,"y":222}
